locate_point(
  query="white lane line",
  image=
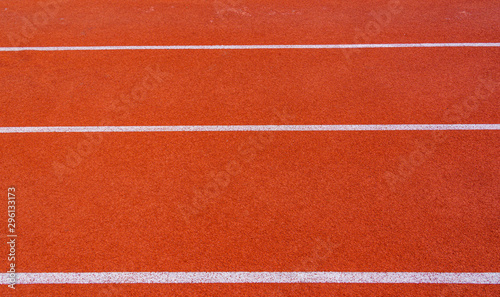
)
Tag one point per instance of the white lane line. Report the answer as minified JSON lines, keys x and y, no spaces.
{"x":423,"y":127}
{"x":254,"y":277}
{"x":239,"y":47}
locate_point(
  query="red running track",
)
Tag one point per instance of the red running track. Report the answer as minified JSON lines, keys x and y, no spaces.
{"x":368,"y":201}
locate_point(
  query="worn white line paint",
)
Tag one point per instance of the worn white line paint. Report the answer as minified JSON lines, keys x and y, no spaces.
{"x":423,"y":127}
{"x":240,"y":47}
{"x":255,"y":277}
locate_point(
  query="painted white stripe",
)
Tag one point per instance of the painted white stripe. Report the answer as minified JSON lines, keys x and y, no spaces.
{"x":423,"y":127}
{"x":255,"y":277}
{"x":240,"y":47}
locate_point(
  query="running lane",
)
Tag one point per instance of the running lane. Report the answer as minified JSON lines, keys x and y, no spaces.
{"x":247,"y":201}
{"x":244,"y":87}
{"x":71,"y":22}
